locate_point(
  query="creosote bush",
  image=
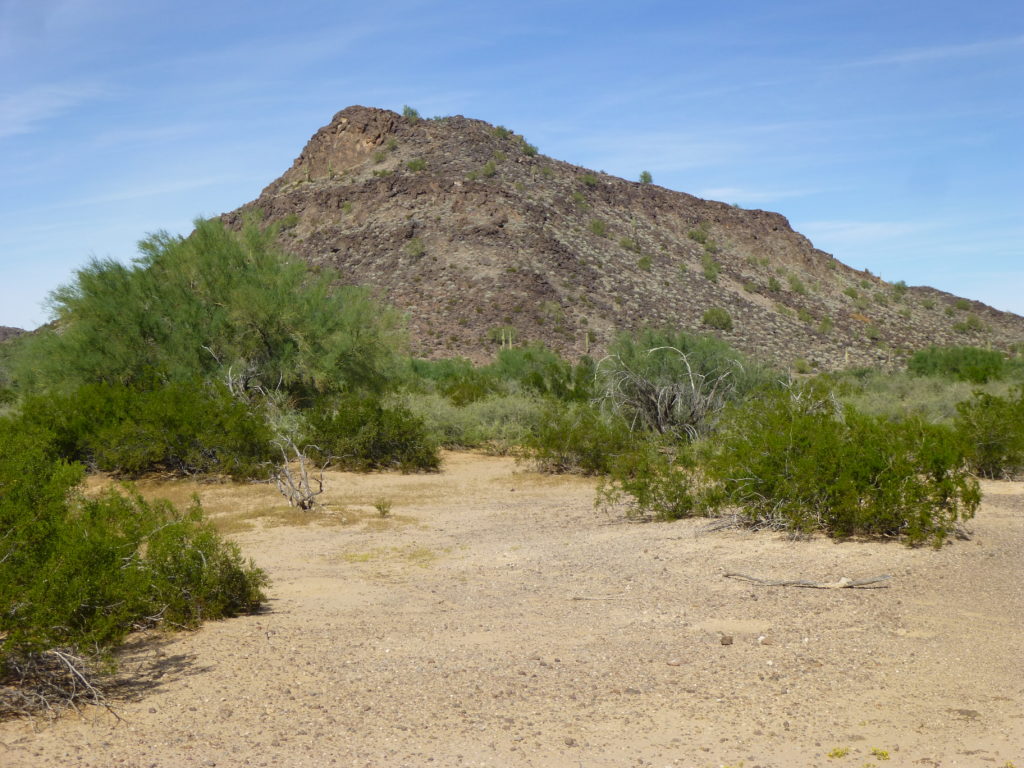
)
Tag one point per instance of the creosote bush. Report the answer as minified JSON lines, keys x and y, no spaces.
{"x":718,"y":318}
{"x":796,"y":460}
{"x":360,"y":433}
{"x":78,"y":573}
{"x":181,"y":427}
{"x":993,"y":430}
{"x":963,"y":363}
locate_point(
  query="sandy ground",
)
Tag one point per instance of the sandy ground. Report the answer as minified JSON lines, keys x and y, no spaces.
{"x":495,"y":618}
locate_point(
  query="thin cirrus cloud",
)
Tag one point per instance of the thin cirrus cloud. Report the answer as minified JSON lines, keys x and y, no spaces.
{"x":26,"y":112}
{"x":943,"y":52}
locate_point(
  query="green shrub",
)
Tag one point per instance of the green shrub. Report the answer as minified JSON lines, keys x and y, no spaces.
{"x":826,"y":325}
{"x":410,"y":114}
{"x":793,"y":460}
{"x":851,"y":292}
{"x":804,"y":316}
{"x":698,"y":234}
{"x":899,"y":289}
{"x":500,"y":132}
{"x":497,"y":423}
{"x":797,"y":285}
{"x":993,"y":429}
{"x":972,"y":324}
{"x":658,"y":481}
{"x":578,"y":438}
{"x":962,"y":363}
{"x":415,"y":247}
{"x":80,"y":573}
{"x":774,"y":285}
{"x":186,"y":428}
{"x":644,"y":263}
{"x":710,"y":267}
{"x":588,"y":180}
{"x":359,"y":433}
{"x":599,"y":227}
{"x":645,"y":177}
{"x":489,"y":169}
{"x":716,"y":317}
{"x":962,"y":304}
{"x":416,"y":164}
{"x":528,"y":149}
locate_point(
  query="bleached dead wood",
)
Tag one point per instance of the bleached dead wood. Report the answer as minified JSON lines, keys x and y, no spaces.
{"x":842,"y":583}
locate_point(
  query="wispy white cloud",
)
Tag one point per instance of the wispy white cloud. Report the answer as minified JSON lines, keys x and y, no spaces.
{"x":861,"y":232}
{"x":24,"y":112}
{"x":741,"y":194}
{"x":943,"y":52}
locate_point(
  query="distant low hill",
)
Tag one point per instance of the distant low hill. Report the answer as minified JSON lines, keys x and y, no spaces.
{"x":483,"y":241}
{"x":6,"y":332}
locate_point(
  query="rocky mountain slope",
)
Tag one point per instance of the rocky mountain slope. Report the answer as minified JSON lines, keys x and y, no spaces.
{"x":6,"y":332}
{"x":484,"y":241}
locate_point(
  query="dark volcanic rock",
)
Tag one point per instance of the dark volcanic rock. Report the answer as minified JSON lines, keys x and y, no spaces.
{"x":6,"y":332}
{"x":475,"y":238}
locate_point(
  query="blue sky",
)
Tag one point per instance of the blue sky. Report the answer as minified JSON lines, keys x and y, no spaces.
{"x":889,"y":132}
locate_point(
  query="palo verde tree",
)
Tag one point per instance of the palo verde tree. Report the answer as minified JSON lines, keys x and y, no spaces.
{"x":218,"y":304}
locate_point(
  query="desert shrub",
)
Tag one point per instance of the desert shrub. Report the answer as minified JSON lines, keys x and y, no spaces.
{"x":578,"y":438}
{"x":528,"y":149}
{"x":716,"y":317}
{"x":644,"y":263}
{"x":537,"y":369}
{"x":993,"y":430}
{"x":497,"y":423}
{"x":962,"y":363}
{"x":774,"y":285}
{"x":645,"y":177}
{"x":415,"y":247}
{"x":599,"y":227}
{"x":181,"y":427}
{"x":410,"y":114}
{"x":798,"y":461}
{"x":658,"y":481}
{"x":710,"y":267}
{"x":416,"y":164}
{"x":971,"y":324}
{"x":80,"y":573}
{"x":500,"y":132}
{"x":698,"y":234}
{"x":962,"y":304}
{"x":899,"y":289}
{"x":796,"y":285}
{"x":674,"y":383}
{"x":588,"y":180}
{"x":360,"y":433}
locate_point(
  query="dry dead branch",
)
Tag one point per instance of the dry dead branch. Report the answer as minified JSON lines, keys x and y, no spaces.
{"x":842,"y":583}
{"x":48,"y":682}
{"x":293,"y":477}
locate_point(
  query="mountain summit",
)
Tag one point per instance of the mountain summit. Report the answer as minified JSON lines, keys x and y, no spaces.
{"x":482,"y":241}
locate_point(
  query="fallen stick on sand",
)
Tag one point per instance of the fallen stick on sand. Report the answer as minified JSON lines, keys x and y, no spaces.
{"x":843,"y":583}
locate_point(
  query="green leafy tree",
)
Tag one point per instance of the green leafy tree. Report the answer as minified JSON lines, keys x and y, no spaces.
{"x":218,"y":304}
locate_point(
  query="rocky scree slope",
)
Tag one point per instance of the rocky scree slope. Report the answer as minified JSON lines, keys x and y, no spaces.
{"x":483,"y":241}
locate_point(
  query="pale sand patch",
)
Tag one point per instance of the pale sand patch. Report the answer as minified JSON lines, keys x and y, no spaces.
{"x":496,"y":618}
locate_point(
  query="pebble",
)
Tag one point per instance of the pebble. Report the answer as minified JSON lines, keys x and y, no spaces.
{"x":674,"y":662}
{"x":726,"y":640}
